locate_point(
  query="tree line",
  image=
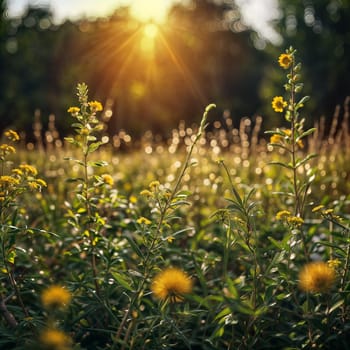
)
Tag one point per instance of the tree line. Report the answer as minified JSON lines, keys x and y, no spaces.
{"x":202,"y":54}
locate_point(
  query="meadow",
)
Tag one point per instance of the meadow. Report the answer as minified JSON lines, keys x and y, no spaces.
{"x":219,"y":237}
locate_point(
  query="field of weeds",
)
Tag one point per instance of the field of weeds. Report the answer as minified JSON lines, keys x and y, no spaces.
{"x":217,"y":238}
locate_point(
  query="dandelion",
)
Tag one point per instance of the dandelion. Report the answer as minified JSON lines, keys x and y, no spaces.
{"x":73,"y":110}
{"x":285,"y":60}
{"x":171,"y":283}
{"x":316,"y":277}
{"x":143,"y":221}
{"x":278,"y":104}
{"x":95,"y":106}
{"x":55,"y":339}
{"x":55,"y":297}
{"x":107,"y":179}
{"x":11,"y":135}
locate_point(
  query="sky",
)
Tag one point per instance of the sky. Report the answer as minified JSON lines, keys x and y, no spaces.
{"x":256,"y":13}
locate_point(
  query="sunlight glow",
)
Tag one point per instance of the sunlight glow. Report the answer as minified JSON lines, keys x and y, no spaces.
{"x":150,"y":30}
{"x":155,"y":10}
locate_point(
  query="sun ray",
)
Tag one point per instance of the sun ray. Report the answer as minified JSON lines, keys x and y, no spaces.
{"x":185,"y":72}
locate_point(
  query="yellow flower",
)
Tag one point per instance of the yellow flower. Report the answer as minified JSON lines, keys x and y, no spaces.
{"x":54,"y":339}
{"x":11,"y":135}
{"x":17,"y":172}
{"x":107,"y":179}
{"x":33,"y":185}
{"x":28,"y":169}
{"x":41,"y":182}
{"x":8,"y":180}
{"x":295,"y":220}
{"x":133,"y":199}
{"x":285,"y":60}
{"x":146,"y":193}
{"x":327,"y":211}
{"x":333,"y":263}
{"x":276,"y":138}
{"x":318,"y":208}
{"x":154,"y":185}
{"x":171,"y":283}
{"x":278,"y":104}
{"x":143,"y":221}
{"x":283,"y":214}
{"x":73,"y":110}
{"x":55,"y":297}
{"x":316,"y":277}
{"x":95,"y":106}
{"x":288,"y":132}
{"x":7,"y":149}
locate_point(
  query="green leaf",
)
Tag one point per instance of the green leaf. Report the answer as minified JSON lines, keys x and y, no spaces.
{"x":287,"y":166}
{"x":135,"y":247}
{"x":336,"y":306}
{"x":121,"y":280}
{"x":100,"y":163}
{"x":94,"y":146}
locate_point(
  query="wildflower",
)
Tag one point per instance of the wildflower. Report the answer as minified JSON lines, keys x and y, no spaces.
{"x":170,"y":239}
{"x":172,"y":284}
{"x":318,"y":208}
{"x":55,"y":297}
{"x":333,"y":263}
{"x":84,"y":131}
{"x":55,"y":339}
{"x":7,"y":149}
{"x":41,"y":182}
{"x":276,"y":138}
{"x":8,"y":180}
{"x":95,"y":106}
{"x":316,"y":277}
{"x":283,"y":214}
{"x":28,"y":169}
{"x":278,"y":104}
{"x":133,"y":199}
{"x":33,"y":185}
{"x":17,"y":172}
{"x":154,"y":185}
{"x":285,"y":60}
{"x":146,"y":193}
{"x":107,"y":179}
{"x":295,"y":220}
{"x":11,"y":135}
{"x":143,"y":221}
{"x":288,"y":132}
{"x":327,"y":211}
{"x":73,"y":110}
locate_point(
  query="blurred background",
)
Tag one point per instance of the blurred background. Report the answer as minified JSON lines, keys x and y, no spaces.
{"x":155,"y":63}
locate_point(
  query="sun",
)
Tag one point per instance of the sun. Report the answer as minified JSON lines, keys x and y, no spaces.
{"x":150,"y":30}
{"x":152,"y":10}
